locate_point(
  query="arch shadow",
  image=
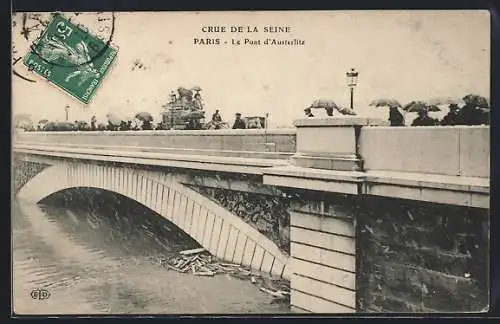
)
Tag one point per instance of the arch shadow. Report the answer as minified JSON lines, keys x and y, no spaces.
{"x":222,"y":233}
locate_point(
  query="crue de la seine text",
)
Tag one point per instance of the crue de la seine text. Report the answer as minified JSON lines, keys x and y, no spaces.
{"x":247,"y":36}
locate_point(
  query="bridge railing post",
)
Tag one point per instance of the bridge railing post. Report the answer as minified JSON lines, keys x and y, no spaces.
{"x":331,"y":143}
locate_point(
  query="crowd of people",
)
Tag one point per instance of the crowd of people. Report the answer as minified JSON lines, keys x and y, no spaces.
{"x":145,"y":124}
{"x":466,"y":115}
{"x":474,"y":111}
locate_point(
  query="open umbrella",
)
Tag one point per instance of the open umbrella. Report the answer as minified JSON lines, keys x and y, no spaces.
{"x":385,"y":103}
{"x":324,"y":103}
{"x":183,"y":92}
{"x":25,"y":124}
{"x":415,"y":106}
{"x":144,"y":116}
{"x":50,"y":126}
{"x":346,"y":111}
{"x":476,"y":100}
{"x":114,"y":119}
{"x":64,"y":126}
{"x":18,"y":118}
{"x":439,"y":101}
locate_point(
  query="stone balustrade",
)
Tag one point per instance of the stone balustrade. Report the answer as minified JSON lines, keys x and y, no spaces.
{"x":259,"y":143}
{"x":345,"y":144}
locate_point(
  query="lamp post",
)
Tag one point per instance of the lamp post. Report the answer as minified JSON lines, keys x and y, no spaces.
{"x":352,"y":80}
{"x":66,"y":110}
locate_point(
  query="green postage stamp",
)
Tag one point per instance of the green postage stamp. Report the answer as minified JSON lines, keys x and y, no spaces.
{"x":71,"y":58}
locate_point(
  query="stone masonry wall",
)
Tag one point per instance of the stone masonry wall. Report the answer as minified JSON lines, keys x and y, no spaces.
{"x":420,"y":257}
{"x":268,"y":214}
{"x":24,"y":171}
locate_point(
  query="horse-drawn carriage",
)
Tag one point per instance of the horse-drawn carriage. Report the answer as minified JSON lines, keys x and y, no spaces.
{"x":184,"y":110}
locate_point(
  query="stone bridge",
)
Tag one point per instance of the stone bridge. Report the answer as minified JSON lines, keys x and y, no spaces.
{"x":357,"y":215}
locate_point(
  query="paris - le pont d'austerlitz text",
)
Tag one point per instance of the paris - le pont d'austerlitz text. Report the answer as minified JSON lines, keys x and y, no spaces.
{"x":247,"y":36}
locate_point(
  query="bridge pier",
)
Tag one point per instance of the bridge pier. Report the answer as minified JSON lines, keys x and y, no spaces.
{"x":323,"y":252}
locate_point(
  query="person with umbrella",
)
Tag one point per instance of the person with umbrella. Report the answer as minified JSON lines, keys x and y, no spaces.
{"x":422,"y":109}
{"x":41,"y":124}
{"x":453,"y":117}
{"x":238,"y":122}
{"x":396,"y":118}
{"x":146,"y":119}
{"x":475,"y":111}
{"x":113,"y":121}
{"x":308,"y":112}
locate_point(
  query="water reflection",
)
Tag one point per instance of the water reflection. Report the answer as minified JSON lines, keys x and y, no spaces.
{"x":97,"y":253}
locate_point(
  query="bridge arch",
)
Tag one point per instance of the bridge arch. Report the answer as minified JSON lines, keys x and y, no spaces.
{"x":219,"y":231}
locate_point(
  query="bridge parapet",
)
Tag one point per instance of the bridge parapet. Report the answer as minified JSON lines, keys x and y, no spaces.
{"x":261,"y":143}
{"x":343,"y":144}
{"x":360,"y":156}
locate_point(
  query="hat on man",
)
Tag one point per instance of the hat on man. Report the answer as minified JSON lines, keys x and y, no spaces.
{"x":238,"y":114}
{"x":307,"y":109}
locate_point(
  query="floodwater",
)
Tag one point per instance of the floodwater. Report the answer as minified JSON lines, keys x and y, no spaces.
{"x":97,"y":253}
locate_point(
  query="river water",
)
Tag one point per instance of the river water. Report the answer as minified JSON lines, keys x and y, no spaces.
{"x":97,"y":253}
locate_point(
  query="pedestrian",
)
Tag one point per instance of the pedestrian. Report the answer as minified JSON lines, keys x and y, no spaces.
{"x":473,"y":115}
{"x":238,"y":122}
{"x":423,"y":119}
{"x":308,"y":112}
{"x":146,"y":125}
{"x":396,"y":118}
{"x":93,"y":120}
{"x":216,"y":118}
{"x":453,"y":117}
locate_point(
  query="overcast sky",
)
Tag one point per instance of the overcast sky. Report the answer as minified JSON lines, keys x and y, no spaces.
{"x":404,"y":55}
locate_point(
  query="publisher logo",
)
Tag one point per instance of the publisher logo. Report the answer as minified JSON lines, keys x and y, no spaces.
{"x":40,"y":294}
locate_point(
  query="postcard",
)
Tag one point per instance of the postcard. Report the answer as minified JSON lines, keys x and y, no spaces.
{"x":260,"y":162}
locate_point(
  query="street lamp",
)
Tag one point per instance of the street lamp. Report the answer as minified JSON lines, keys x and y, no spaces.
{"x":352,"y":80}
{"x":66,"y":109}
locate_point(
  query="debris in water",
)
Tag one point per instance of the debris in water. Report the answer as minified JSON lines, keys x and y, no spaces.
{"x":200,"y":263}
{"x":193,"y":251}
{"x":272,"y":293}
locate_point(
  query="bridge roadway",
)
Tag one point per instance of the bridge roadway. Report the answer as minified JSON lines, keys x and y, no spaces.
{"x":318,"y":160}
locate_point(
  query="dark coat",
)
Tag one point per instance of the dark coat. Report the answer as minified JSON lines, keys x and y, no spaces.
{"x":396,"y":118}
{"x":452,"y":118}
{"x":424,"y":121}
{"x":239,"y":124}
{"x":216,"y":117}
{"x":471,"y":115}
